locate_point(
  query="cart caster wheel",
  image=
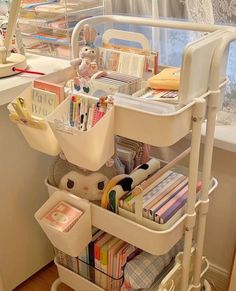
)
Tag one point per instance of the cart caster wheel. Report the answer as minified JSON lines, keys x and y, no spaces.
{"x":206,"y":286}
{"x":55,"y":284}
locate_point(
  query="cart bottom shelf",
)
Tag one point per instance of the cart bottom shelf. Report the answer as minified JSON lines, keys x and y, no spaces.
{"x":169,"y":280}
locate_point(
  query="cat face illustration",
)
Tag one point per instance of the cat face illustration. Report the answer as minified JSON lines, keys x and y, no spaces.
{"x":60,"y":217}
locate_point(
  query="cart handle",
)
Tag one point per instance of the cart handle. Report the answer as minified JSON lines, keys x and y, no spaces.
{"x":139,"y":21}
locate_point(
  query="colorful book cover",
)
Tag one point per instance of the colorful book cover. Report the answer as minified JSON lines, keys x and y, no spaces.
{"x":173,"y":190}
{"x":91,"y":247}
{"x":111,"y":244}
{"x":179,"y":203}
{"x":113,"y":251}
{"x":104,"y":261}
{"x":97,"y":252}
{"x":123,"y":258}
{"x":63,"y":216}
{"x":172,"y":206}
{"x":43,"y":102}
{"x":58,"y":89}
{"x":96,"y":234}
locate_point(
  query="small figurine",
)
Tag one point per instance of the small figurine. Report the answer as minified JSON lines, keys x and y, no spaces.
{"x":86,"y":64}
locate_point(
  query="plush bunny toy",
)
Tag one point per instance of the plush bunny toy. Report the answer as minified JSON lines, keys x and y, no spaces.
{"x":86,"y":64}
{"x":80,"y":182}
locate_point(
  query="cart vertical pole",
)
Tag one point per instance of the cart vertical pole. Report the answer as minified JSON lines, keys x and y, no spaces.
{"x":213,"y":104}
{"x":197,"y":119}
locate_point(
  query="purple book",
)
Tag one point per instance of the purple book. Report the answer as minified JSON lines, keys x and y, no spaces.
{"x":173,"y":209}
{"x":153,"y":213}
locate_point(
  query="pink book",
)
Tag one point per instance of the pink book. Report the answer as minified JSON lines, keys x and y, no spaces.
{"x":58,"y":89}
{"x":63,"y":216}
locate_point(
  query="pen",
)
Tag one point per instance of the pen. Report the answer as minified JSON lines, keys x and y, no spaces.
{"x":90,"y":116}
{"x":83,"y":113}
{"x":72,"y":111}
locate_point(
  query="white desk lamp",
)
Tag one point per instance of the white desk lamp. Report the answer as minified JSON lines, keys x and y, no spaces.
{"x":8,"y":60}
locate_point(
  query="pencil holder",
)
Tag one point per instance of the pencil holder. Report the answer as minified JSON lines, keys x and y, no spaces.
{"x":38,"y":134}
{"x":74,"y":241}
{"x":88,"y":149}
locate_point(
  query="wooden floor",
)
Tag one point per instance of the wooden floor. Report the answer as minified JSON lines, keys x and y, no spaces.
{"x":42,"y":281}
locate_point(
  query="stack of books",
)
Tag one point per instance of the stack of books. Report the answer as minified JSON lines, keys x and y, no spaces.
{"x":114,"y":82}
{"x":162,"y":200}
{"x":102,"y":261}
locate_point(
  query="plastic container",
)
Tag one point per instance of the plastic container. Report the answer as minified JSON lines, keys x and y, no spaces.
{"x":41,"y":139}
{"x":74,"y":280}
{"x":88,"y":149}
{"x":137,"y":215}
{"x":152,"y":239}
{"x":151,"y":122}
{"x":78,"y":237}
{"x":46,"y":29}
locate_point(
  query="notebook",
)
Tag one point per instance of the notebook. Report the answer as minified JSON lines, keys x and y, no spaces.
{"x":63,"y":216}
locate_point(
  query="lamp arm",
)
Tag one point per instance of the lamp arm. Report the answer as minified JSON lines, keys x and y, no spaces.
{"x":14,"y":11}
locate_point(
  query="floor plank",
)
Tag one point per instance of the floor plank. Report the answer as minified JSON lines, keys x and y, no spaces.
{"x":42,"y":281}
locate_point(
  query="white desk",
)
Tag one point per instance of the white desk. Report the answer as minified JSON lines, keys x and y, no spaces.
{"x":24,"y":249}
{"x":11,"y":86}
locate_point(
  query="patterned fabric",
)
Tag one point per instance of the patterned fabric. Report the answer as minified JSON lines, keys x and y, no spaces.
{"x":142,"y":271}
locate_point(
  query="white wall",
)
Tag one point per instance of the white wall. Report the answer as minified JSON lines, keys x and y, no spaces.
{"x":24,"y":248}
{"x":221,"y":225}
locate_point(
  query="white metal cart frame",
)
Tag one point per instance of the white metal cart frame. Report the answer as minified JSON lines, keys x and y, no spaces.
{"x":211,"y":102}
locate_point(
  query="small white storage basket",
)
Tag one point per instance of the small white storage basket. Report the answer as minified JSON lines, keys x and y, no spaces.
{"x":42,"y":140}
{"x":78,"y":237}
{"x":150,"y":127}
{"x":88,"y":149}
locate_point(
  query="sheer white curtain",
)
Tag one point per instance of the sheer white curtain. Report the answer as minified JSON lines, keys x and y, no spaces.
{"x":219,"y":12}
{"x":170,"y":43}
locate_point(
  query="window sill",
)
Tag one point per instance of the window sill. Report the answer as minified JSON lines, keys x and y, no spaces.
{"x":225,"y":137}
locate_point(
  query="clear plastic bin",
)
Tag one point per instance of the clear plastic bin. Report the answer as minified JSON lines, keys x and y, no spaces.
{"x":46,"y":29}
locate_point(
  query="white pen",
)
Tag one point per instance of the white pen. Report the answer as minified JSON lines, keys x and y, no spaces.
{"x":90,"y":116}
{"x":83,"y":113}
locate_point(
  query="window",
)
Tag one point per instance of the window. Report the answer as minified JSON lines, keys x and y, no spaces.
{"x":170,"y":43}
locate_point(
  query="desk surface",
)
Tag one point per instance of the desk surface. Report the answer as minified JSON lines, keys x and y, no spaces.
{"x":12,"y":86}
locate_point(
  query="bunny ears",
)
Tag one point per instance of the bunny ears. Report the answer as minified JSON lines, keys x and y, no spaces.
{"x":89,"y":36}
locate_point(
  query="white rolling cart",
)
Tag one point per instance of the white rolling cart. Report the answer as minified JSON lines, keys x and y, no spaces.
{"x":202,"y":80}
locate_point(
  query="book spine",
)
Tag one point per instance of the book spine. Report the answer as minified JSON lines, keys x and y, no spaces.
{"x":173,"y":209}
{"x":153,"y":211}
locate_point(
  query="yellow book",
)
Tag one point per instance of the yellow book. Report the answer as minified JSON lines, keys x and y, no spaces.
{"x":167,"y":79}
